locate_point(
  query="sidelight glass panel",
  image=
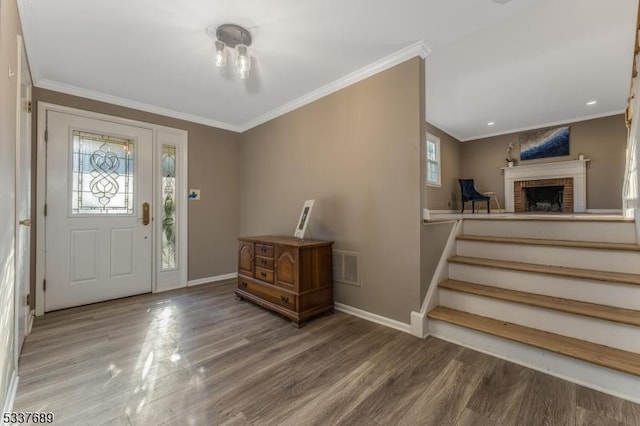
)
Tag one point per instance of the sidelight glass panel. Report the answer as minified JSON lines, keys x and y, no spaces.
{"x":168,"y":207}
{"x":102,"y":174}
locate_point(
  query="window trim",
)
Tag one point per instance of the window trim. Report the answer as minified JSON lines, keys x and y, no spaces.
{"x":436,"y":141}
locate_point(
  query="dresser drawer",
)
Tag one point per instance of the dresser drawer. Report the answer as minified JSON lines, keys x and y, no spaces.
{"x":273,"y":295}
{"x":264,"y":275}
{"x":265,"y":250}
{"x":264,"y":262}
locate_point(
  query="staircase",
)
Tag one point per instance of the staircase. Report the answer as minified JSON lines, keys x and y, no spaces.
{"x":557,"y":294}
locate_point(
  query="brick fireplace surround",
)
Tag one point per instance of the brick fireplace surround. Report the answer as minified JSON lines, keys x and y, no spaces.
{"x":547,"y":174}
{"x":519,"y":202}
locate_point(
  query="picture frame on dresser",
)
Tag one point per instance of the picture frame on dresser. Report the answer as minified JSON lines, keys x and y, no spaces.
{"x":303,"y":221}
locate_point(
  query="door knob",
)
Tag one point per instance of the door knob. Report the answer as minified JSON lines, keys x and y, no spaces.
{"x":25,"y":222}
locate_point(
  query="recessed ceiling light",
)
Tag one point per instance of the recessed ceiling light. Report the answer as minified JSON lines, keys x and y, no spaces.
{"x":501,"y":1}
{"x":491,"y":123}
{"x":592,"y":103}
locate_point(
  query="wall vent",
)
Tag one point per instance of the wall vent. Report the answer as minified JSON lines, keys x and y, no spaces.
{"x":346,"y":267}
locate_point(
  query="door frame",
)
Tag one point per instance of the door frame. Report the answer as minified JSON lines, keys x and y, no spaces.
{"x":161,"y":134}
{"x":18,"y":290}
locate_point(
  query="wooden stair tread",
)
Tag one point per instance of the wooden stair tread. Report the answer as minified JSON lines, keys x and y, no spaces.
{"x":590,"y":274}
{"x":555,"y":243}
{"x":617,"y":359}
{"x":593,"y":310}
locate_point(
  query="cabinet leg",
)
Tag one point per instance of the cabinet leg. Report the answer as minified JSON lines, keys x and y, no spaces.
{"x":298,"y":324}
{"x":329,"y":312}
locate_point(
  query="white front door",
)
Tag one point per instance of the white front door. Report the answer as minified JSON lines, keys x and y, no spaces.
{"x":98,"y":202}
{"x":23,"y":196}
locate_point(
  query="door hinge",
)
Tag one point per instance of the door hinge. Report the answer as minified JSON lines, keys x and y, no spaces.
{"x":46,"y":135}
{"x":29,"y":106}
{"x":45,"y":209}
{"x":28,"y":300}
{"x":44,"y":285}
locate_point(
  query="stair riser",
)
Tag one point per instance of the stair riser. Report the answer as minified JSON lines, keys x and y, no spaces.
{"x":618,"y":295}
{"x":611,"y":232}
{"x":601,"y":260}
{"x":584,"y":373}
{"x":603,"y":332}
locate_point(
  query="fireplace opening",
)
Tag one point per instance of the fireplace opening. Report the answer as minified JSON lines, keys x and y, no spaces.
{"x":544,"y":198}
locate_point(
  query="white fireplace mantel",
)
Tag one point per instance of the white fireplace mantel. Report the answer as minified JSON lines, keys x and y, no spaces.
{"x":576,"y":169}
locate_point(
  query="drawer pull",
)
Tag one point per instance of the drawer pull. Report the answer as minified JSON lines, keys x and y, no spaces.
{"x":243,"y":284}
{"x":284,"y":299}
{"x":264,"y":274}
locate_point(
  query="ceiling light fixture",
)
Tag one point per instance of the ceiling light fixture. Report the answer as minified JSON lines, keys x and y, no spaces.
{"x":491,"y":123}
{"x":234,"y":37}
{"x":592,"y":103}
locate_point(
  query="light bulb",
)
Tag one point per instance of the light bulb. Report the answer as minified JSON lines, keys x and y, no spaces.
{"x":221,"y":54}
{"x":243,"y":61}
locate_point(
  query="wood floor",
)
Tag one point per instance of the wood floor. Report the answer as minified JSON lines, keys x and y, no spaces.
{"x":199,"y":357}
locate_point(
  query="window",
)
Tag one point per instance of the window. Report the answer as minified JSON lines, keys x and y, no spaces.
{"x":168,"y":207}
{"x":433,"y":160}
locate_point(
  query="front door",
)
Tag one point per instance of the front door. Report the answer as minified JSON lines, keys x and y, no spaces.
{"x":98,"y":224}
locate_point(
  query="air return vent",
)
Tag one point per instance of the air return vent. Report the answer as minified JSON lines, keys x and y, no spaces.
{"x":346,"y":269}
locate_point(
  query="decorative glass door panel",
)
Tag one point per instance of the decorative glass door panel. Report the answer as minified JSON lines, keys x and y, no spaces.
{"x":169,"y":201}
{"x":102,"y":174}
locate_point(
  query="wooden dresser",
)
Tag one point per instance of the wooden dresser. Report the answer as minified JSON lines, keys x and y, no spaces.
{"x":290,"y":276}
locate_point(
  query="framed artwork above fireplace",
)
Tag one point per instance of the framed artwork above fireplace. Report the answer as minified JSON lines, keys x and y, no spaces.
{"x":544,"y":143}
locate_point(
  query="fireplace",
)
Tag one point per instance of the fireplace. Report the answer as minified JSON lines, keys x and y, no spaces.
{"x":572,"y":174}
{"x":544,"y":195}
{"x":543,"y":199}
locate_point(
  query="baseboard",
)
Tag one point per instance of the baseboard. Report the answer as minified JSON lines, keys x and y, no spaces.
{"x":209,"y":280}
{"x":11,"y":393}
{"x":605,"y":211}
{"x":378,"y":319}
{"x":602,"y":379}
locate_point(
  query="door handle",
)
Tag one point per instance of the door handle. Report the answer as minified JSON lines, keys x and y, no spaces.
{"x":145,"y":213}
{"x":25,"y":222}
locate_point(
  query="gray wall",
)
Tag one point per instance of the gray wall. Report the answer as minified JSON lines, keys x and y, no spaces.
{"x":447,"y":196}
{"x":603,"y":140}
{"x":214,"y":221}
{"x":357,"y":153}
{"x":9,"y":28}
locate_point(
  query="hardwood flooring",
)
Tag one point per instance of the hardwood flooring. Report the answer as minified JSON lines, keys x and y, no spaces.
{"x":199,"y":357}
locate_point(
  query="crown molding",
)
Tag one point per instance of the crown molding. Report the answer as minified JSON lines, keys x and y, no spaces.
{"x":416,"y":49}
{"x":115,"y":100}
{"x":537,"y":126}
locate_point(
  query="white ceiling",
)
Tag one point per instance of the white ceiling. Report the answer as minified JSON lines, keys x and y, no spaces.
{"x":538,"y":67}
{"x":522,"y":64}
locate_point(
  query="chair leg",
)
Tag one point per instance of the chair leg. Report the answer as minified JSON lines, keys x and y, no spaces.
{"x":473,"y":207}
{"x":489,"y":206}
{"x":462,"y":211}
